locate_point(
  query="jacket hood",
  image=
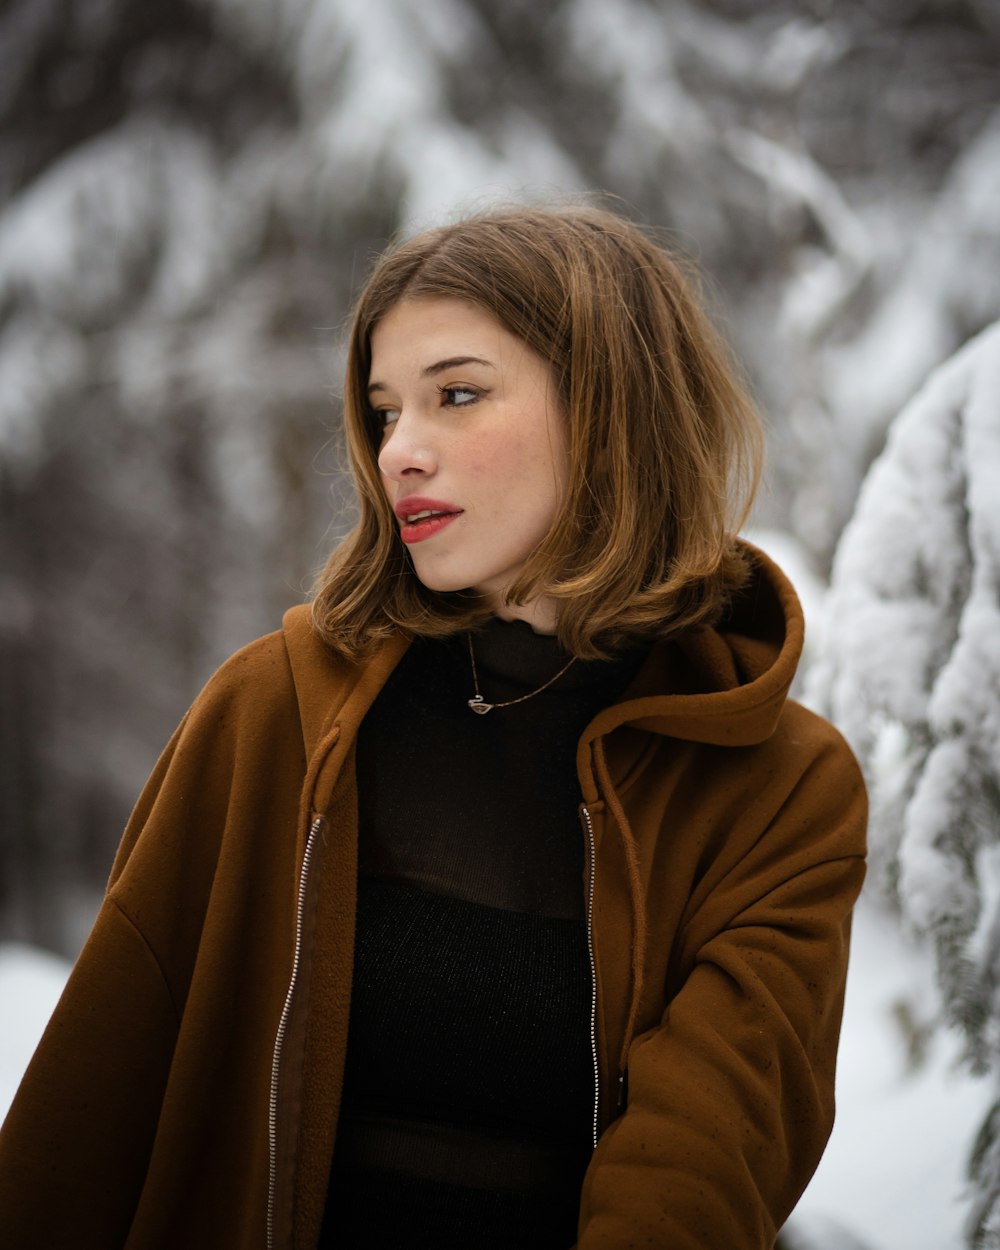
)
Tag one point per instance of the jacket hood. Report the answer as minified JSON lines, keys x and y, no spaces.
{"x":332,"y":691}
{"x":724,"y":684}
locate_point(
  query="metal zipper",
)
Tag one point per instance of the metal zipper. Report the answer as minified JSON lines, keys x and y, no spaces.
{"x":588,"y":825}
{"x":279,"y":1040}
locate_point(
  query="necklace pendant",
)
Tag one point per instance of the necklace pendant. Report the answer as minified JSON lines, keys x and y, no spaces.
{"x":479,"y":706}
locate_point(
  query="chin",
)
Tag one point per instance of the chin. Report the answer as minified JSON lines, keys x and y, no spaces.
{"x":488,"y":584}
{"x":444,"y":585}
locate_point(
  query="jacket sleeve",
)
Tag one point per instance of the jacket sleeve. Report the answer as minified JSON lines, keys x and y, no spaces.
{"x":730,"y":1096}
{"x":79,"y":1141}
{"x":76,"y":1142}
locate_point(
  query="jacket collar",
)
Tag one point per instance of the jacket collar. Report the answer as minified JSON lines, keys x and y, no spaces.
{"x":724,"y":685}
{"x":331,"y":690}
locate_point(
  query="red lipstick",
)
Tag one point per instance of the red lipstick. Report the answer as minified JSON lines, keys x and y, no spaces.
{"x":439,"y":515}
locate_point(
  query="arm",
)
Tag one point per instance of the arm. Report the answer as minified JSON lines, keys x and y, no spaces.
{"x":730,"y":1095}
{"x":146,"y":1058}
{"x":76,"y":1142}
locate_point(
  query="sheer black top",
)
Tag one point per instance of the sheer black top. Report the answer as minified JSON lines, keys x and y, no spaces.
{"x":468,"y":1089}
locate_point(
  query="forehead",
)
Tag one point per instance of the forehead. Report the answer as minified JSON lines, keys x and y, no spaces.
{"x":414,"y":330}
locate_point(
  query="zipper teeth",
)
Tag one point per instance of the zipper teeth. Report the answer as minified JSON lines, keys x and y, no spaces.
{"x":592,"y":851}
{"x":279,"y":1040}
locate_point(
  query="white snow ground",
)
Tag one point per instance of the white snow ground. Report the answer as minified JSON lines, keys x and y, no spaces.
{"x":892,"y":1176}
{"x":30,"y":984}
{"x":893,"y":1173}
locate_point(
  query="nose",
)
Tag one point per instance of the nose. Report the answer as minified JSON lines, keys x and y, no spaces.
{"x":406,"y":451}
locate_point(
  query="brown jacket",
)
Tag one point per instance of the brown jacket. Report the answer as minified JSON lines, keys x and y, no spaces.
{"x":185,"y":1093}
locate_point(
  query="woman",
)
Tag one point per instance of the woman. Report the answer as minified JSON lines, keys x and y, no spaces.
{"x":503,"y":898}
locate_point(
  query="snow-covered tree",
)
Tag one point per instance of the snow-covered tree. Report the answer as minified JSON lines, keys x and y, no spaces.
{"x":909,"y":668}
{"x":190,"y":190}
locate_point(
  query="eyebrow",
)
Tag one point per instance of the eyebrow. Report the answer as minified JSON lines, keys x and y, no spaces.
{"x":438,"y":367}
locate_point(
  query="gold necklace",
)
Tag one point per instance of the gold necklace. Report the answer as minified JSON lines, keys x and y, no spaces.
{"x":479,"y":704}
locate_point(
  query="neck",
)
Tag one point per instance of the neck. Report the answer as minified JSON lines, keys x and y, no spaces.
{"x":540,"y":614}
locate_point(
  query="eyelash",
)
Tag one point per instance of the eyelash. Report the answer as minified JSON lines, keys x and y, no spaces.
{"x":382,"y":415}
{"x":451,"y":391}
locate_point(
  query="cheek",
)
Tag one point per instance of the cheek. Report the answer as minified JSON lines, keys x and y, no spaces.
{"x":495,"y":460}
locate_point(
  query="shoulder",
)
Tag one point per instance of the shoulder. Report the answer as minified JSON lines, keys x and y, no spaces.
{"x":245,"y":712}
{"x":278,"y":695}
{"x":272,"y":676}
{"x":808,"y":743}
{"x":250,"y":691}
{"x":795,"y":798}
{"x":239,"y":745}
{"x":259,"y":670}
{"x":812,"y":785}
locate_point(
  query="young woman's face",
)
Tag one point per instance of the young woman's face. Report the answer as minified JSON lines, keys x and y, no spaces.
{"x":473,"y":454}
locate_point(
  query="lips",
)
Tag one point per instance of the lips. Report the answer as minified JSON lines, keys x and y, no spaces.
{"x":423,"y":518}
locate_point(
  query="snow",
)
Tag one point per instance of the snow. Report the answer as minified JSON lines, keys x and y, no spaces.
{"x":30,"y":984}
{"x":913,"y":637}
{"x":893,"y":1174}
{"x":909,"y":668}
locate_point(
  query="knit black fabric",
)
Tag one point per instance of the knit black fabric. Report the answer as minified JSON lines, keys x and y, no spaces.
{"x":468,"y":1089}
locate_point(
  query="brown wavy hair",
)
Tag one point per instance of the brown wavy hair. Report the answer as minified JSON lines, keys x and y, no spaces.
{"x":664,"y":441}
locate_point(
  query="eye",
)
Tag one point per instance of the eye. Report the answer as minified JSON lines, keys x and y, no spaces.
{"x":384,"y":417}
{"x":459,"y":396}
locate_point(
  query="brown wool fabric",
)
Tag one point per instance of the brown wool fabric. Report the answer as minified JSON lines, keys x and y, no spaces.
{"x":726,"y":863}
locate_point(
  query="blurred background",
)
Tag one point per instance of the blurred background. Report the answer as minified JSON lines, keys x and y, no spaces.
{"x":191,"y":193}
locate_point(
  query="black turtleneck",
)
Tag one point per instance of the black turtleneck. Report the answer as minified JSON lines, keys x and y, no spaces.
{"x":468,"y":1089}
